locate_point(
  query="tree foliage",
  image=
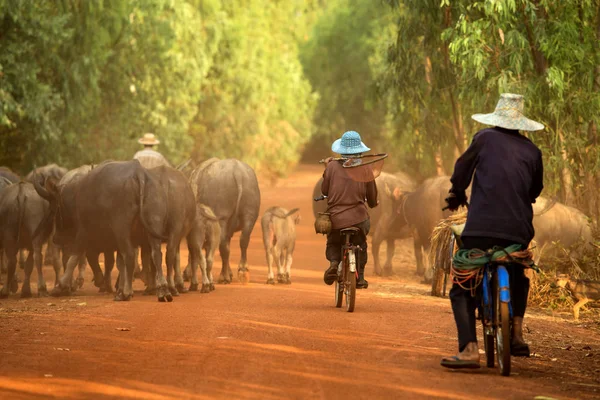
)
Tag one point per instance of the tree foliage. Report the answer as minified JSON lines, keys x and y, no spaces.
{"x":81,"y":80}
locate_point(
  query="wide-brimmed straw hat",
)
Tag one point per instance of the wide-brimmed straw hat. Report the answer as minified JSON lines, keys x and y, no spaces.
{"x":509,"y":114}
{"x":349,"y":143}
{"x":149,"y":139}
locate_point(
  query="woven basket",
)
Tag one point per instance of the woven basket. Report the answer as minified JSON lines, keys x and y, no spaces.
{"x":323,"y":224}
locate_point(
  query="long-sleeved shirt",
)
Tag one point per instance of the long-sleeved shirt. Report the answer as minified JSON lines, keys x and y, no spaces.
{"x":150,"y":158}
{"x":346,"y":198}
{"x":508,"y":178}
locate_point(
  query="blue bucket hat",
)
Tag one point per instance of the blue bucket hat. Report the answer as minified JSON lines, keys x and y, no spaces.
{"x":349,"y":143}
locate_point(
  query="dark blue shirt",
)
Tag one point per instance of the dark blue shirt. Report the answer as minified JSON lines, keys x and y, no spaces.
{"x":508,"y":178}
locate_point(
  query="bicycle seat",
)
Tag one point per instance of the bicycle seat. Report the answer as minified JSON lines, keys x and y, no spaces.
{"x":352,"y":230}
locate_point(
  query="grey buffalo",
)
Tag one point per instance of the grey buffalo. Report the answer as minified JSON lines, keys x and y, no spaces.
{"x":26,"y":224}
{"x":205,"y":235}
{"x":181,"y":213}
{"x":230,"y":188}
{"x":117,"y":207}
{"x":556,"y":222}
{"x":279,"y":238}
{"x":422,"y":211}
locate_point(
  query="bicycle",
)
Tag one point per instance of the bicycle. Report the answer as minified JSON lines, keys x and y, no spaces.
{"x":345,"y":284}
{"x":495,"y":310}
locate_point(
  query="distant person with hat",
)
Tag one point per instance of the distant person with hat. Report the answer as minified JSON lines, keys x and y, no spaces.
{"x":347,"y":202}
{"x":148,"y":157}
{"x":507,"y":172}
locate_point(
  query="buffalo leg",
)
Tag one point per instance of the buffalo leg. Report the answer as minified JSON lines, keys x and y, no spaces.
{"x":193,"y":256}
{"x":38,"y":262}
{"x":376,"y":244}
{"x":81,"y":271}
{"x":206,"y":275}
{"x":109,"y":263}
{"x":95,"y":266}
{"x":390,"y":249}
{"x":162,"y":290}
{"x":58,"y":264}
{"x":270,"y":259}
{"x":170,"y":258}
{"x":137,"y":270}
{"x":148,"y":270}
{"x":26,"y":287}
{"x":210,"y":257}
{"x":244,"y":242}
{"x":279,"y":258}
{"x":64,"y":283}
{"x":11,"y":255}
{"x":427,"y":271}
{"x":418,"y":254}
{"x":187,"y":269}
{"x":178,"y":277}
{"x":226,"y":274}
{"x":288,"y":266}
{"x":127,"y":251}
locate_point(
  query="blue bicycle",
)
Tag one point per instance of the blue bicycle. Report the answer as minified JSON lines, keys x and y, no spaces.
{"x":495,"y":311}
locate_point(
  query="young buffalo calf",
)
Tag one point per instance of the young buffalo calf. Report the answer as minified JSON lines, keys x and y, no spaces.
{"x":279,"y":236}
{"x":205,"y":235}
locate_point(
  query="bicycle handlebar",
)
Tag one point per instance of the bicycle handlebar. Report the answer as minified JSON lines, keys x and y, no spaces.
{"x":321,"y":197}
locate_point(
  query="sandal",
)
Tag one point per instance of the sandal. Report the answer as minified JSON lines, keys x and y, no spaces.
{"x":456,"y":363}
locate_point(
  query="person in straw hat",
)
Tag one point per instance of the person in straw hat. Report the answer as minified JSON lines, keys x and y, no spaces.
{"x":346,"y":204}
{"x":148,"y":157}
{"x":507,"y":171}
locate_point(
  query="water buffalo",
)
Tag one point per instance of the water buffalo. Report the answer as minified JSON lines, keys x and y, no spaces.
{"x":556,"y":222}
{"x":5,"y":182}
{"x":181,"y":213}
{"x":279,"y":237}
{"x":422,"y":211}
{"x":386,"y":220}
{"x":205,"y":235}
{"x":26,"y":224}
{"x":71,"y":178}
{"x":117,"y":207}
{"x":230,"y":188}
{"x":47,"y":171}
{"x":9,"y":174}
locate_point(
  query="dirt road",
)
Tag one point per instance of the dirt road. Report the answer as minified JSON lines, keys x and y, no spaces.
{"x":274,"y":342}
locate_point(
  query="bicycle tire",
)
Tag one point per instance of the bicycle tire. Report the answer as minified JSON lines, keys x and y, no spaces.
{"x":339,"y":294}
{"x":350,"y":289}
{"x":488,"y":343}
{"x":502,"y":317}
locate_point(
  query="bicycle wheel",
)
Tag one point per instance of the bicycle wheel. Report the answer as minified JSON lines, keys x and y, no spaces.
{"x":350,"y":287}
{"x":488,"y":343}
{"x":339,"y":293}
{"x":502,"y":318}
{"x":339,"y":289}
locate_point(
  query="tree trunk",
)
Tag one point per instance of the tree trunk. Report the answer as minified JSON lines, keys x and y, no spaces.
{"x":459,"y":133}
{"x":566,"y":176}
{"x":439,"y":162}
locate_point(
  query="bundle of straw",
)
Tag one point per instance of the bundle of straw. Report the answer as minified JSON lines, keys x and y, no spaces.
{"x":440,"y":252}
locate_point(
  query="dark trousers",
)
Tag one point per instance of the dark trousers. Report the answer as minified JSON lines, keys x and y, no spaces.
{"x":464,"y":304}
{"x":333,"y":251}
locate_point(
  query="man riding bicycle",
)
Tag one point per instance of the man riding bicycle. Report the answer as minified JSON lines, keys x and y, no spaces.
{"x":508,"y":174}
{"x":346,"y":205}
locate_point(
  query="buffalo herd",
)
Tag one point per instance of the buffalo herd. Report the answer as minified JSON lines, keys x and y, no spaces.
{"x":124,"y":210}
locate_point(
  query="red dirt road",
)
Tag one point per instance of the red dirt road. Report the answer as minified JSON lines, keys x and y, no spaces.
{"x":274,"y":342}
